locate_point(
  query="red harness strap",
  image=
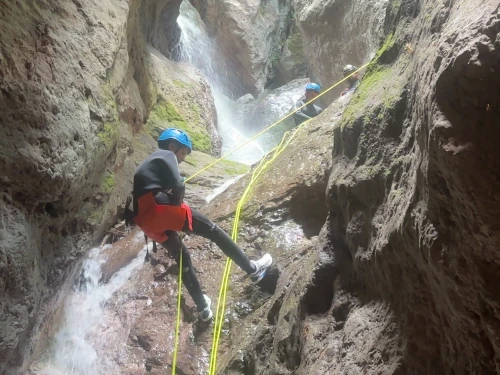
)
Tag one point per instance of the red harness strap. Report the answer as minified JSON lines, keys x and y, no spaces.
{"x":154,"y":219}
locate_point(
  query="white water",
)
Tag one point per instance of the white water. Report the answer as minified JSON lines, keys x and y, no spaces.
{"x":197,"y":48}
{"x":222,"y":188}
{"x":72,"y":349}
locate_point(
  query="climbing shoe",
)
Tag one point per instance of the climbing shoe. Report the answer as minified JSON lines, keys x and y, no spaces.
{"x":206,"y":314}
{"x":261,"y":267}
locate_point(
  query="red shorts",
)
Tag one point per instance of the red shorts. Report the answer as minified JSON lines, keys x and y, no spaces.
{"x":155,"y":219}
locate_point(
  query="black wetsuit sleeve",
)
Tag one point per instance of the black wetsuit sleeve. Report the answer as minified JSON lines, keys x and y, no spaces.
{"x":176,"y":180}
{"x":300,"y":116}
{"x":178,"y":195}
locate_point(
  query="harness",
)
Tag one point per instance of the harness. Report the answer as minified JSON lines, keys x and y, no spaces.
{"x":155,"y":219}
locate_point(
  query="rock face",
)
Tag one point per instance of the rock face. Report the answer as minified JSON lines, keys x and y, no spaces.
{"x":402,"y":277}
{"x":138,"y":322}
{"x":403,"y":284}
{"x":415,"y":160}
{"x":338,"y":32}
{"x":269,"y":107}
{"x":405,"y":267}
{"x":184,"y":101}
{"x":251,"y":34}
{"x":293,"y":63}
{"x":77,"y":83}
{"x":272,"y":105}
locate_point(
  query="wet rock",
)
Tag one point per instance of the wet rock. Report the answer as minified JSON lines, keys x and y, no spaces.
{"x":249,"y":308}
{"x":403,"y":193}
{"x":335,"y":33}
{"x":251,"y":35}
{"x":202,"y":186}
{"x":77,"y":85}
{"x":121,"y":254}
{"x":272,"y":105}
{"x":184,"y":100}
{"x":269,"y":107}
{"x":160,"y":272}
{"x":293,"y":62}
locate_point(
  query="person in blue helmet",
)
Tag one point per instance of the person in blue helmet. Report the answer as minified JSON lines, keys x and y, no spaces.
{"x":310,"y":110}
{"x":160,"y":211}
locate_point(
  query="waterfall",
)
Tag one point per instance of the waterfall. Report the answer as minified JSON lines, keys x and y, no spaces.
{"x":72,"y":350}
{"x":198,"y":49}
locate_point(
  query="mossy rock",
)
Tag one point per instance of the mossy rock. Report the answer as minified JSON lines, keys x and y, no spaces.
{"x":197,"y":161}
{"x":378,"y":78}
{"x":108,"y":183}
{"x":181,"y":84}
{"x":91,"y":215}
{"x":191,"y":160}
{"x":234,"y":168}
{"x":108,"y":134}
{"x":296,"y":48}
{"x":164,"y":115}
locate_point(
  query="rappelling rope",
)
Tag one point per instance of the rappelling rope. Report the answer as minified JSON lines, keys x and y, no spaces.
{"x":221,"y":302}
{"x":273,"y":125}
{"x":178,"y":318}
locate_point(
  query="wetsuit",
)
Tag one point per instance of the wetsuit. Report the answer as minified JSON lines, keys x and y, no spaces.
{"x":160,"y":212}
{"x":351,"y":87}
{"x":309,"y":111}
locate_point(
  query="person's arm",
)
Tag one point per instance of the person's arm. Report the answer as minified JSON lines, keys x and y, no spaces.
{"x":176,"y":181}
{"x":302,"y":115}
{"x":298,"y":113}
{"x":178,"y":195}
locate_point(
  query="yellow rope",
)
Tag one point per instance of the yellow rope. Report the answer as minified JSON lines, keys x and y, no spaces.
{"x":178,"y":321}
{"x":272,"y":126}
{"x":221,"y":303}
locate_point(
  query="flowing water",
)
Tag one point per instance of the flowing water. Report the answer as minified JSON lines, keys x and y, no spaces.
{"x":72,"y":350}
{"x":197,"y":48}
{"x":219,"y":190}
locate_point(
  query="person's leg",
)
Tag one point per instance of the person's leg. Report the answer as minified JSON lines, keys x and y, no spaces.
{"x":174,"y":247}
{"x":202,"y":226}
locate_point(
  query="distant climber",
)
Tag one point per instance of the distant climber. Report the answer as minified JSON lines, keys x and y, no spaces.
{"x":352,"y":81}
{"x":310,"y":110}
{"x":160,"y":212}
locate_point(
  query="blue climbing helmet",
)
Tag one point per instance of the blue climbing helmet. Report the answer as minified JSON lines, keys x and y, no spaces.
{"x":314,"y":87}
{"x":177,"y":135}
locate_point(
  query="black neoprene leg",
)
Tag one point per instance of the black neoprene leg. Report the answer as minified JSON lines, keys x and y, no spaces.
{"x":174,"y":246}
{"x":202,"y":226}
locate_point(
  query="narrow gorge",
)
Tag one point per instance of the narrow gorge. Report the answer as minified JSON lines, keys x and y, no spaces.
{"x":381,"y":214}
